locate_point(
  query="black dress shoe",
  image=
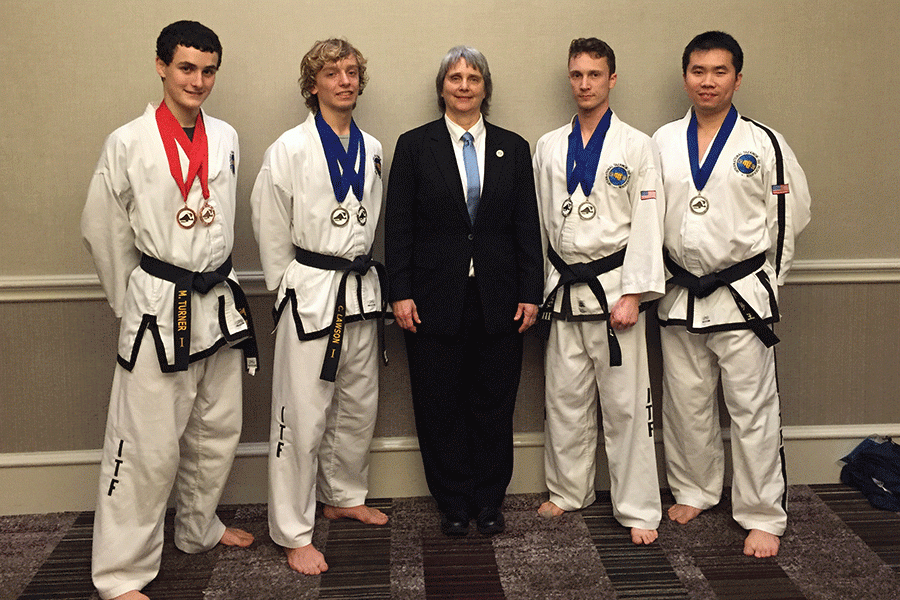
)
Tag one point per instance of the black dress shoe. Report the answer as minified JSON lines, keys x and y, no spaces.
{"x":490,"y":521}
{"x":456,"y":525}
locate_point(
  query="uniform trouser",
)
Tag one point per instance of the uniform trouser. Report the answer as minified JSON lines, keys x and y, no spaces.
{"x":163,"y":429}
{"x":321,"y":431}
{"x":692,"y":364}
{"x":577,"y":372}
{"x":464,"y":394}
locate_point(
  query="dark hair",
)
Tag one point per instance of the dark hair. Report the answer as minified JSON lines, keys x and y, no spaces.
{"x":594,"y":47}
{"x":189,"y":34}
{"x":713,"y":40}
{"x":474,"y":59}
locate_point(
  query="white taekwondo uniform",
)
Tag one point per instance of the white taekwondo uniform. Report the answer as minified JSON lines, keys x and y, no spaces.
{"x":165,"y":425}
{"x":321,"y":430}
{"x":756,"y":202}
{"x":577,"y":365}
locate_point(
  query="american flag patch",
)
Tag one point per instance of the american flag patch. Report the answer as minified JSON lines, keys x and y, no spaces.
{"x":780,"y":189}
{"x":648,"y":195}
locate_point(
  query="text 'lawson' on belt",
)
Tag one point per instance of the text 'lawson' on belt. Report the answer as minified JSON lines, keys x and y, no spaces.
{"x":359,"y":266}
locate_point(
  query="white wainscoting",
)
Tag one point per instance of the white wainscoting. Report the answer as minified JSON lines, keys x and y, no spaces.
{"x":42,"y":482}
{"x":87,"y":286}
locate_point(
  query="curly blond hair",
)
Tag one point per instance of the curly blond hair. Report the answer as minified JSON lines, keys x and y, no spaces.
{"x":323,"y":52}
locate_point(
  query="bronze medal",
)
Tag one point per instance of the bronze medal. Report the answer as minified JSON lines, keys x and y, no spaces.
{"x":340,"y":217}
{"x":186,"y":218}
{"x":207,"y":214}
{"x":699,"y":205}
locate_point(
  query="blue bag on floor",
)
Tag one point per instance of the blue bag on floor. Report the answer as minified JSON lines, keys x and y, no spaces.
{"x":874,"y":469}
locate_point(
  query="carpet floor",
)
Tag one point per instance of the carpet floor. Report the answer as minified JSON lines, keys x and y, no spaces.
{"x":837,"y":547}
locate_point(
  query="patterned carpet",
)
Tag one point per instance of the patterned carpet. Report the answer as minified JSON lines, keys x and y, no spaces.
{"x":837,"y":547}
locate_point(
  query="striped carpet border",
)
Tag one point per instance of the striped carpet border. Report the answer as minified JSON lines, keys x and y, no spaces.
{"x":359,"y":559}
{"x":66,"y":574}
{"x":836,"y":547}
{"x":634,"y":571}
{"x":879,"y":529}
{"x":737,"y":577}
{"x":460,"y":568}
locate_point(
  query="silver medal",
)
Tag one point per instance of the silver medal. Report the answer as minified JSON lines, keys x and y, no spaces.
{"x":567,"y":207}
{"x":340,"y":217}
{"x":699,"y":205}
{"x":362,"y":216}
{"x":186,"y":218}
{"x":586,"y":211}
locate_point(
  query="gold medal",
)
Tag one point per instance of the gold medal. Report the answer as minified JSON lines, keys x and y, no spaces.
{"x":567,"y":207}
{"x":699,"y":205}
{"x":362,"y":216}
{"x":186,"y":218}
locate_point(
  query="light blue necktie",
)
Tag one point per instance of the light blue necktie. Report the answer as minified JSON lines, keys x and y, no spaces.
{"x":473,"y":182}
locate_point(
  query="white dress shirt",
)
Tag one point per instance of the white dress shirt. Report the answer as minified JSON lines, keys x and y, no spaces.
{"x":478,"y":133}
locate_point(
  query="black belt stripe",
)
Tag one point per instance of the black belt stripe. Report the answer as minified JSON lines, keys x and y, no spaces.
{"x":701,"y":287}
{"x":782,"y":200}
{"x":586,"y":273}
{"x":359,"y":266}
{"x":187,"y":282}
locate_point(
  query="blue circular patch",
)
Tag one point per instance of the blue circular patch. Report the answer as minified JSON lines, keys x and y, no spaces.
{"x":746,"y":163}
{"x":617,"y":176}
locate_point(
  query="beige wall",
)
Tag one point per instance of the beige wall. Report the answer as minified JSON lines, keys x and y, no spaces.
{"x":822,"y":73}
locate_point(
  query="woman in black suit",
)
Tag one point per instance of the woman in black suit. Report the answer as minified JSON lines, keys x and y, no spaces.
{"x":466,"y":276}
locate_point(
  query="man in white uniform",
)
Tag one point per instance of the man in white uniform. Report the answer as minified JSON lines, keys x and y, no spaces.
{"x":736,"y":202}
{"x":602,"y":209}
{"x":315,"y":206}
{"x":159,"y":224}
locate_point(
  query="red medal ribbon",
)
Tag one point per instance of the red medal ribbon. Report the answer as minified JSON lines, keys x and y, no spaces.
{"x":170,"y":131}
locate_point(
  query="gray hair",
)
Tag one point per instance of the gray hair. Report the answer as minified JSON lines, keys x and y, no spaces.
{"x":473,"y":58}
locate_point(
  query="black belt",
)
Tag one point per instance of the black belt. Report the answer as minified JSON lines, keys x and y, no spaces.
{"x":701,"y":287}
{"x":359,"y":266}
{"x":585,"y":273}
{"x":185,"y":281}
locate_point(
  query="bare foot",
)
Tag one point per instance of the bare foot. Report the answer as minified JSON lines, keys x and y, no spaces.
{"x":643,"y":536}
{"x":682,"y":513}
{"x":761,"y":544}
{"x":548,"y":510}
{"x":306,"y":560}
{"x":132,"y":595}
{"x":236,"y":537}
{"x":363,"y":513}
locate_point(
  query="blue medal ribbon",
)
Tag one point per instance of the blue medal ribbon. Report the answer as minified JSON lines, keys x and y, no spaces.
{"x":341,"y":162}
{"x":701,"y":173}
{"x":581,"y":162}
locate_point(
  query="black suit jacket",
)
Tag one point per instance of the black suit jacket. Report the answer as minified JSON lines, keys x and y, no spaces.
{"x":429,"y":239}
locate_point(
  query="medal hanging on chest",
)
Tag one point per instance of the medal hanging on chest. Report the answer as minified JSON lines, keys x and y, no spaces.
{"x":581,"y":165}
{"x":342,"y":168}
{"x":699,"y":204}
{"x":207,"y":214}
{"x":173,"y":134}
